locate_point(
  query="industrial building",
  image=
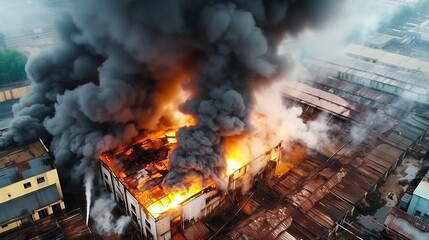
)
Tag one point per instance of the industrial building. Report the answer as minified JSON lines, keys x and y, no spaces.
{"x":391,"y":73}
{"x":29,"y":186}
{"x":365,"y":90}
{"x":381,"y":93}
{"x":70,"y":225}
{"x":419,"y":205}
{"x":313,"y":200}
{"x":9,"y":95}
{"x":134,"y":175}
{"x":401,"y":225}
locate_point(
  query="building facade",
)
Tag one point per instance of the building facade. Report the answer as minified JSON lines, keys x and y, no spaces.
{"x":134,"y":176}
{"x":419,"y":205}
{"x":29,"y":186}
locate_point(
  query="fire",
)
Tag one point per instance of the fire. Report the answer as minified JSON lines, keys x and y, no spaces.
{"x":236,"y":154}
{"x":146,"y":183}
{"x":173,"y":200}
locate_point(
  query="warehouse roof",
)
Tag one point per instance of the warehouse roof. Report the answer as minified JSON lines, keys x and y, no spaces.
{"x":422,"y":189}
{"x":387,"y":58}
{"x":23,"y":162}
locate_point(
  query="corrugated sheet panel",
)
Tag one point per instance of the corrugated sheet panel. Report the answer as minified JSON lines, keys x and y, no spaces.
{"x":296,"y":232}
{"x":197,"y":231}
{"x":321,"y":218}
{"x":309,"y":224}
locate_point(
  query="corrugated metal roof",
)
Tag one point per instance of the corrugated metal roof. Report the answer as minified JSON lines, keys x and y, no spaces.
{"x":388,"y":58}
{"x":317,"y":192}
{"x":404,"y":224}
{"x":70,"y":226}
{"x":28,"y":203}
{"x":326,"y":101}
{"x":197,"y":231}
{"x":23,"y":162}
{"x":386,"y":75}
{"x":73,"y":227}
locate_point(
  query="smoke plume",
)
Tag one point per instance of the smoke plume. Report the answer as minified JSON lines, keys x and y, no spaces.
{"x":286,"y":123}
{"x":88,"y":182}
{"x":119,"y":65}
{"x":105,"y":222}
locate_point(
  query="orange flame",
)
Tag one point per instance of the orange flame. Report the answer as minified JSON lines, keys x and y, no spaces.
{"x":236,"y":154}
{"x":173,"y":200}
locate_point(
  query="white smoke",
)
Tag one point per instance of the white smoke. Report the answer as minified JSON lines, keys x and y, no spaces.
{"x":88,"y":182}
{"x":348,"y":25}
{"x":285,"y":123}
{"x":104,"y":221}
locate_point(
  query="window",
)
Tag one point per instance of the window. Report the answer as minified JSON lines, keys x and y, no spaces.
{"x":108,"y":187}
{"x":147,"y":223}
{"x":105,"y":176}
{"x":27,"y":184}
{"x":133,"y":207}
{"x":121,"y":203}
{"x":418,"y":213}
{"x":425,"y":216}
{"x":40,"y":180}
{"x":4,"y":226}
{"x":134,"y":217}
{"x":43,"y":213}
{"x":149,"y":235}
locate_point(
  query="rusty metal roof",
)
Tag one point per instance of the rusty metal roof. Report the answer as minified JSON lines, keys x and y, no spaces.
{"x":70,"y":226}
{"x":317,"y":192}
{"x":326,"y":101}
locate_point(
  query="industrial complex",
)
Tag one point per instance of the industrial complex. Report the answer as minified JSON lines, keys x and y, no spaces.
{"x":369,"y":180}
{"x":365,"y":89}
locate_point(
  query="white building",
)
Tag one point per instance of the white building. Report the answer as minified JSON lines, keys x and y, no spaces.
{"x":134,"y":175}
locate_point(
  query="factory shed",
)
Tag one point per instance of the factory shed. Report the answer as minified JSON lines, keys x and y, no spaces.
{"x":401,"y":225}
{"x":316,"y":194}
{"x":325,"y":101}
{"x":391,"y":79}
{"x":70,"y":226}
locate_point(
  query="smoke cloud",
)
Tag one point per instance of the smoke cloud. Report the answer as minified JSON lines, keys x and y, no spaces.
{"x":119,"y":66}
{"x":105,"y":222}
{"x":286,"y":123}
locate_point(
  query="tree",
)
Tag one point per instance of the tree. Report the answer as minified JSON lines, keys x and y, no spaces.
{"x":12,"y":66}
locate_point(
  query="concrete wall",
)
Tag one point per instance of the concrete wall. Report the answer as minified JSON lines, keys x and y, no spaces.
{"x":419,"y":204}
{"x":10,"y":226}
{"x":17,"y":189}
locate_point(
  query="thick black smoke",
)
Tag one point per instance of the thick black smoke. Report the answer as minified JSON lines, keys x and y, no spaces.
{"x":120,"y":62}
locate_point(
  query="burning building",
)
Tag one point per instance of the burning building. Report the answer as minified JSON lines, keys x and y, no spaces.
{"x":97,"y":90}
{"x":134,"y":174}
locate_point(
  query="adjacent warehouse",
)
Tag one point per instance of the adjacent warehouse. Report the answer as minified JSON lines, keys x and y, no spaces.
{"x":30,"y":189}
